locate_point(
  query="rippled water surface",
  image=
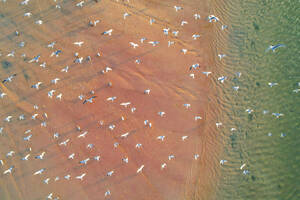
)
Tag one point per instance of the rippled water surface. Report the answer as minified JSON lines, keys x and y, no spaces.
{"x":269,"y":146}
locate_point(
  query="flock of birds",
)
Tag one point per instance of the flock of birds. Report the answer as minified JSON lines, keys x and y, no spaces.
{"x":29,"y":136}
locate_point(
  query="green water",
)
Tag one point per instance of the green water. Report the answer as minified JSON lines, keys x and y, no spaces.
{"x":273,"y":161}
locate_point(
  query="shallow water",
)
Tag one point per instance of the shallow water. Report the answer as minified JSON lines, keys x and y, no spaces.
{"x":273,"y":161}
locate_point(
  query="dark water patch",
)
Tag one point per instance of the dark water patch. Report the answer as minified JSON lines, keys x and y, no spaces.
{"x":6,"y":64}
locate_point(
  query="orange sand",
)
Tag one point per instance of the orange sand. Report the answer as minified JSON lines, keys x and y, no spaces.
{"x":164,"y":70}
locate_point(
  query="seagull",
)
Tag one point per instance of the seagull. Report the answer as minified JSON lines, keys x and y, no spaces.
{"x":221,"y":56}
{"x":236,"y":88}
{"x":140,"y":169}
{"x":67,"y":177}
{"x":195,"y":36}
{"x":213,"y":18}
{"x":178,"y":8}
{"x":184,"y":137}
{"x":8,"y":118}
{"x":81,"y":176}
{"x":143,"y":39}
{"x":8,"y":170}
{"x":139,"y":145}
{"x":64,"y":142}
{"x":80,"y":4}
{"x":90,"y":146}
{"x":56,"y":53}
{"x":116,"y":144}
{"x":134,"y":45}
{"x":151,"y":21}
{"x":84,"y":161}
{"x":9,"y":79}
{"x":2,"y":94}
{"x":25,"y":157}
{"x":50,"y":93}
{"x":196,"y":156}
{"x":89,"y":100}
{"x":107,"y":193}
{"x":184,"y":51}
{"x":183,"y":23}
{"x":197,"y":117}
{"x":71,"y":156}
{"x":218,"y":124}
{"x":187,"y":105}
{"x":108,"y":32}
{"x":274,"y":47}
{"x":11,"y":54}
{"x":161,"y":113}
{"x":65,"y":69}
{"x":111,"y":127}
{"x":41,"y":156}
{"x":97,"y":158}
{"x":166,"y":31}
{"x":35,"y":59}
{"x":154,"y":43}
{"x":25,"y":2}
{"x":51,"y":45}
{"x":28,"y":14}
{"x":50,"y":196}
{"x":78,"y":43}
{"x":133,"y":109}
{"x":277,"y":115}
{"x":161,"y":137}
{"x":82,"y":135}
{"x":39,"y":171}
{"x":37,"y":85}
{"x":21,"y":117}
{"x":34,"y":116}
{"x":59,"y":96}
{"x":222,"y":162}
{"x":46,"y":181}
{"x":222,"y":79}
{"x":272,"y":84}
{"x":197,"y":16}
{"x":125,"y":135}
{"x":111,"y":99}
{"x":43,"y":65}
{"x":249,"y":111}
{"x":125,"y":160}
{"x":125,"y":104}
{"x":296,"y":90}
{"x":10,"y":154}
{"x":175,"y":33}
{"x":110,"y":173}
{"x":40,"y":22}
{"x":147,"y":91}
{"x":243,"y":165}
{"x":170,"y":157}
{"x":1,"y":130}
{"x":164,"y":165}
{"x":125,"y":15}
{"x":224,"y":27}
{"x":206,"y":73}
{"x":194,"y":66}
{"x":54,"y":81}
{"x":245,"y":172}
{"x":192,"y":75}
{"x":27,"y":138}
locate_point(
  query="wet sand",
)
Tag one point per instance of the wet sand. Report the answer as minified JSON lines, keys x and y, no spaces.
{"x":163,"y":69}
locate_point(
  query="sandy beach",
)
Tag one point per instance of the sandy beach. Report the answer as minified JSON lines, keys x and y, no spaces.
{"x":165,"y":70}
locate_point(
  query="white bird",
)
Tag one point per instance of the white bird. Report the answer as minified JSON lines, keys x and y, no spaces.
{"x":133,"y":109}
{"x":222,"y":162}
{"x":197,"y":117}
{"x":8,"y":170}
{"x":170,"y":157}
{"x":221,"y":56}
{"x":178,"y":8}
{"x":2,"y":94}
{"x":1,"y":130}
{"x":213,"y":18}
{"x":224,"y":27}
{"x":10,"y":154}
{"x":51,"y":45}
{"x":39,"y":22}
{"x":84,"y":161}
{"x":125,"y":104}
{"x":296,"y":90}
{"x":1,"y":162}
{"x":195,"y":36}
{"x":187,"y":105}
{"x":183,"y":23}
{"x":138,"y":146}
{"x":197,"y":16}
{"x":206,"y":73}
{"x":50,"y":196}
{"x":27,"y":138}
{"x":196,"y":156}
{"x":81,"y":176}
{"x":25,"y":2}
{"x":112,"y":126}
{"x":236,"y":88}
{"x":43,"y":124}
{"x":125,"y":15}
{"x":80,"y":4}
{"x":184,"y":51}
{"x":64,"y":142}
{"x":22,"y":117}
{"x":67,"y":177}
{"x":134,"y":45}
{"x":107,"y":69}
{"x":54,"y":81}
{"x":125,"y":160}
{"x":46,"y":181}
{"x":90,"y":146}
{"x":243,"y":165}
{"x":41,"y":156}
{"x":11,"y":54}
{"x":55,"y":135}
{"x":37,"y":85}
{"x":249,"y":111}
{"x":277,"y":115}
{"x":142,"y":40}
{"x":43,"y":65}
{"x":59,"y":96}
{"x":161,"y":113}
{"x":28,"y":14}
{"x":71,"y":156}
{"x":111,"y":99}
{"x":164,"y":165}
{"x":154,"y":43}
{"x":65,"y":69}
{"x":107,"y":193}
{"x":39,"y":171}
{"x":170,"y":43}
{"x":147,"y":91}
{"x":151,"y":21}
{"x":97,"y":158}
{"x":78,"y":43}
{"x":140,"y":169}
{"x":50,"y":93}
{"x":110,"y":173}
{"x":108,"y":32}
{"x":222,"y":79}
{"x":83,"y":134}
{"x":8,"y":118}
{"x":272,"y":84}
{"x":184,"y":137}
{"x":175,"y":33}
{"x":161,"y":137}
{"x":125,"y":135}
{"x":218,"y":124}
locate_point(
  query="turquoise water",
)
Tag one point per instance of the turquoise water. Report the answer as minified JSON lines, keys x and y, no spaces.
{"x":269,"y":146}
